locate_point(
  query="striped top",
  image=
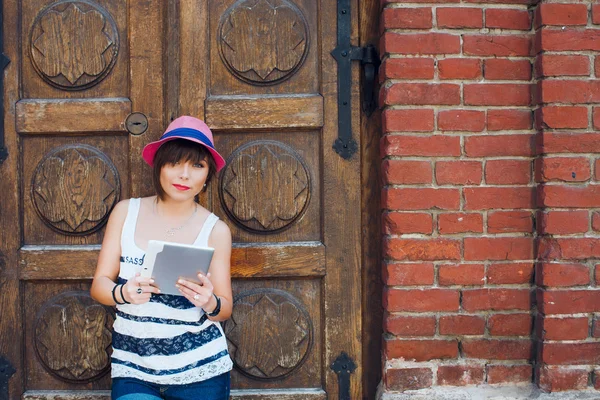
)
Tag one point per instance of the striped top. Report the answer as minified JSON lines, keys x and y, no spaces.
{"x":167,"y":340}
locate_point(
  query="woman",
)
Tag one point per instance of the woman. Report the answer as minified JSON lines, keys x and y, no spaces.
{"x":165,"y":346}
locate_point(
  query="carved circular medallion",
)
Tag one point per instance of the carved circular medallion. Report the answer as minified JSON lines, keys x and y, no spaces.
{"x":270,"y":333}
{"x":73,"y":337}
{"x":263,"y":41}
{"x":265,"y":186}
{"x":74,"y":44}
{"x":74,"y":187}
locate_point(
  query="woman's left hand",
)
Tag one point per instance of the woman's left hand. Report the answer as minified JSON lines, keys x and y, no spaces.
{"x":199,"y":295}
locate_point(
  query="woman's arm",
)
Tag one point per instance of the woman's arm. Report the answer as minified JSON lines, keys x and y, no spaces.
{"x":107,"y":269}
{"x":218,"y":280}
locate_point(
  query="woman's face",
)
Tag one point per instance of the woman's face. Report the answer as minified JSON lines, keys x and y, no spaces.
{"x":184,"y":179}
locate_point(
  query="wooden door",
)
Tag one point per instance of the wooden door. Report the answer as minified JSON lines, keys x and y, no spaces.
{"x":260,"y":73}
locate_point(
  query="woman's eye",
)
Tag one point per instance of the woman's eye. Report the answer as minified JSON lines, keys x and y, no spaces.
{"x":198,"y":165}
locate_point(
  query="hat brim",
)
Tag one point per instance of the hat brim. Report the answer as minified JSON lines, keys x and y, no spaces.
{"x":150,"y":150}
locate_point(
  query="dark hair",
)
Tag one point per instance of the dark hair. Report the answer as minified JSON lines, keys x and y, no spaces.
{"x":180,"y":150}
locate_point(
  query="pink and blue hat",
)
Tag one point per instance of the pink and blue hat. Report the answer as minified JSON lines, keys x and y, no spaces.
{"x":189,"y":128}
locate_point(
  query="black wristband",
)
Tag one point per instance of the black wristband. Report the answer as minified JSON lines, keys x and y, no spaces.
{"x":217,"y":309}
{"x":113,"y":294}
{"x":123,"y":297}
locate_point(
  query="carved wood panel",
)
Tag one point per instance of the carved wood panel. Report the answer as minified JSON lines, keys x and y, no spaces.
{"x":74,"y":44}
{"x":265,"y":186}
{"x":74,"y":188}
{"x":72,"y":185}
{"x":73,"y":336}
{"x":274,"y":333}
{"x":263,"y":42}
{"x":267,"y":193}
{"x":74,"y":49}
{"x":263,"y":47}
{"x":67,"y":336}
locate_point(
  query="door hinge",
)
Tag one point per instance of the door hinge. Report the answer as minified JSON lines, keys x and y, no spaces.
{"x":343,"y":366}
{"x":4,"y":61}
{"x":344,"y":54}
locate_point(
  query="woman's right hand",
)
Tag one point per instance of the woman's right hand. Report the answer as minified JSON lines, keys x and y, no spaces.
{"x":138,"y":289}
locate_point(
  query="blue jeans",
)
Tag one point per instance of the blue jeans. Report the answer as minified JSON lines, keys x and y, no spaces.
{"x":216,"y":388}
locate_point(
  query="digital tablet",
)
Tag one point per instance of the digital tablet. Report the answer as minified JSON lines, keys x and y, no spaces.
{"x":166,"y":262}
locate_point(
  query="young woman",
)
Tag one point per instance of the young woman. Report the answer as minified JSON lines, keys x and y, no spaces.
{"x":165,"y":346}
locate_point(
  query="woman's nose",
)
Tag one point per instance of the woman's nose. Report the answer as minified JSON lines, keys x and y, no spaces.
{"x":185,"y":170}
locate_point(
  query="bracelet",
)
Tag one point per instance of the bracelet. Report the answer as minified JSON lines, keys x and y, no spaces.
{"x":123,"y":297}
{"x":113,"y":294}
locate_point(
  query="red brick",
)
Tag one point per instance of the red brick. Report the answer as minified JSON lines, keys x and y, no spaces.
{"x":498,"y":1}
{"x":422,"y":249}
{"x":497,"y":349}
{"x":562,"y":222}
{"x":597,"y":274}
{"x":406,"y":172}
{"x":496,"y":299}
{"x":510,"y":324}
{"x":596,"y":221}
{"x":507,"y":172}
{"x":504,"y":69}
{"x":557,"y":380}
{"x":501,"y":145}
{"x":458,"y":172}
{"x":571,"y":353}
{"x":565,"y":169}
{"x":422,"y":93}
{"x":461,"y":120}
{"x":507,"y":19}
{"x":421,"y":199}
{"x":408,"y":378}
{"x":557,"y":275}
{"x":407,"y":18}
{"x":510,"y":221}
{"x":461,"y":325}
{"x":569,"y":196}
{"x":459,"y":17}
{"x":568,"y":301}
{"x":401,"y":325}
{"x":561,"y":14}
{"x":596,"y":13}
{"x":460,"y":375}
{"x":408,"y":274}
{"x":419,"y":300}
{"x":554,"y":117}
{"x":407,"y":68}
{"x":459,"y":223}
{"x":422,"y":43}
{"x":427,"y":146}
{"x":420,"y":350}
{"x":517,"y":273}
{"x":562,"y":328}
{"x":569,"y":40}
{"x":502,"y":373}
{"x":459,"y":68}
{"x":497,"y":94}
{"x":486,"y":198}
{"x":570,"y":91}
{"x":596,"y":380}
{"x":408,"y":120}
{"x":499,"y":120}
{"x":568,"y":248}
{"x":462,"y":274}
{"x":596,"y":327}
{"x":497,"y":45}
{"x":562,"y":65}
{"x":498,"y":248}
{"x":597,"y":65}
{"x":399,"y":223}
{"x":596,"y":118}
{"x":549,"y":142}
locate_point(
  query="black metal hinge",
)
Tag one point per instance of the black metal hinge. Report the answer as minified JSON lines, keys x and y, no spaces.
{"x":4,"y":61}
{"x":343,"y":366}
{"x":344,"y":54}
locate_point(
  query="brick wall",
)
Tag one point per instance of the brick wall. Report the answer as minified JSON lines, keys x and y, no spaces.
{"x":490,"y":195}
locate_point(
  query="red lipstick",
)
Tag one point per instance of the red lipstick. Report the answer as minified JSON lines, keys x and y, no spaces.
{"x":181,"y":187}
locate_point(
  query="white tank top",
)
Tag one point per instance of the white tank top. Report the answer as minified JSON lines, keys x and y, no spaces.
{"x":167,"y":340}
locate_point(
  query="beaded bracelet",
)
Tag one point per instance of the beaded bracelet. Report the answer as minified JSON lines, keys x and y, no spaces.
{"x":113,"y":294}
{"x":123,"y":297}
